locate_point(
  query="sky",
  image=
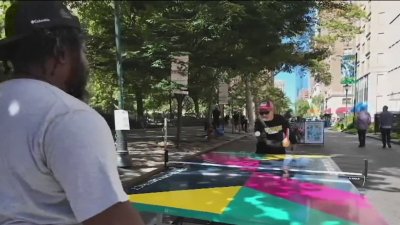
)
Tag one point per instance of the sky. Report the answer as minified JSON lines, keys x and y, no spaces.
{"x":295,"y":81}
{"x":299,"y":78}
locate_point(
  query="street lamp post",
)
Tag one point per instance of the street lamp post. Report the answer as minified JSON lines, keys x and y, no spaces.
{"x":326,"y":104}
{"x":346,"y":88}
{"x":123,"y":157}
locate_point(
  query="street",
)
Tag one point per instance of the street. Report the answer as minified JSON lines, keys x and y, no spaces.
{"x":383,"y":184}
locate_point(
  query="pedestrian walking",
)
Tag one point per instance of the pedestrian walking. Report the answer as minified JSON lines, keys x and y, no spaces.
{"x":58,"y":159}
{"x":362,"y":124}
{"x":386,"y":122}
{"x":236,"y":118}
{"x":216,"y":113}
{"x":244,"y":122}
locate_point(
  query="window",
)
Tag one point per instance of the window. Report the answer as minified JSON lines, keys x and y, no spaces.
{"x":379,"y":38}
{"x":395,"y":18}
{"x":380,"y":59}
{"x":394,"y":44}
{"x":344,"y":101}
{"x":362,"y":68}
{"x":366,"y":89}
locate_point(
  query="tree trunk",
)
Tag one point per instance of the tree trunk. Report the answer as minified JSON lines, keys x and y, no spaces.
{"x":139,"y":103}
{"x":179,"y":98}
{"x":249,"y":104}
{"x":209,"y":110}
{"x":196,"y":106}
{"x":210,"y":105}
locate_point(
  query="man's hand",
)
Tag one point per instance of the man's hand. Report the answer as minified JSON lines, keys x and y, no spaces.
{"x":285,"y":141}
{"x":119,"y":214}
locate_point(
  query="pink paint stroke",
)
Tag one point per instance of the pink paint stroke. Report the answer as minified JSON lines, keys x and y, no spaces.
{"x":343,"y":204}
{"x":248,"y":164}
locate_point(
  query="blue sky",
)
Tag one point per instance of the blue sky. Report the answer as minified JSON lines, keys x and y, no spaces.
{"x":295,"y":81}
{"x":290,"y":84}
{"x":299,"y":77}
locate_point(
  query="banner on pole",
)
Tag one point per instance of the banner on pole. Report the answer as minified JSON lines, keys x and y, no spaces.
{"x":223,"y":94}
{"x":121,"y":120}
{"x":180,"y":73}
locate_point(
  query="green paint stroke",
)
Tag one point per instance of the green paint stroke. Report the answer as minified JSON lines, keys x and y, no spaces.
{"x":251,"y":207}
{"x":177,"y":212}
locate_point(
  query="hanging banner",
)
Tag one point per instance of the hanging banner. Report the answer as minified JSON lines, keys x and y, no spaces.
{"x":223,"y":94}
{"x":180,"y":73}
{"x":348,"y":66}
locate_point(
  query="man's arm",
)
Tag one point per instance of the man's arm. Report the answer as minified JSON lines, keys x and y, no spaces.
{"x":119,"y":214}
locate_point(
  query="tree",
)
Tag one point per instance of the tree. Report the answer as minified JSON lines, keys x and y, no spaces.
{"x":302,"y":106}
{"x":337,"y":22}
{"x":3,"y":6}
{"x":225,"y":39}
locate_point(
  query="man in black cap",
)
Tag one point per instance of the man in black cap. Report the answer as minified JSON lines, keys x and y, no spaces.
{"x":57,"y":155}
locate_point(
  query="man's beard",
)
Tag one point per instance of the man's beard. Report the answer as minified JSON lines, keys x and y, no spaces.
{"x":77,"y":86}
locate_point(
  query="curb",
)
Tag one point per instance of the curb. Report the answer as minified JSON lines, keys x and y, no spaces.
{"x":376,"y":138}
{"x":392,"y":142}
{"x":144,"y":177}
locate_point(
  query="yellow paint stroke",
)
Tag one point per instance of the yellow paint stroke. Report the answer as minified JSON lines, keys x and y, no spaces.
{"x":287,"y":156}
{"x":213,"y":200}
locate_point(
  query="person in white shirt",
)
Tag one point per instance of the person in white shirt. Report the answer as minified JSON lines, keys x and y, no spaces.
{"x":57,"y":155}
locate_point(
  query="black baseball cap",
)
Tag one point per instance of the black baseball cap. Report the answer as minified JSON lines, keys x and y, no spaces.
{"x":24,"y":17}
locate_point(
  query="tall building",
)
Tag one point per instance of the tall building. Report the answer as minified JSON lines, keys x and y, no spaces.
{"x":378,"y":48}
{"x":302,"y":81}
{"x":280,"y":84}
{"x":304,"y":94}
{"x":335,"y":92}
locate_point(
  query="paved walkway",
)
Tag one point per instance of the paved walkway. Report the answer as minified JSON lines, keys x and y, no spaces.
{"x":377,"y":136}
{"x":146,"y":149}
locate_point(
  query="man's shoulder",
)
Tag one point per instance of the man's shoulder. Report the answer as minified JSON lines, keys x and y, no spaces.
{"x":42,"y":96}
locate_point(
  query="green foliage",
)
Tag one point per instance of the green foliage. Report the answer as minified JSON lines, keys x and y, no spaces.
{"x":224,"y":39}
{"x":337,"y":22}
{"x":318,"y":101}
{"x":3,"y":6}
{"x":302,"y":106}
{"x":321,"y":71}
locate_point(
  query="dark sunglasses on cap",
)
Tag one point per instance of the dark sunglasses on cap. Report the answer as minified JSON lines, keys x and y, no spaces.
{"x":264,"y":112}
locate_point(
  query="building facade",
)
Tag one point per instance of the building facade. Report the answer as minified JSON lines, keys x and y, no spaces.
{"x":280,"y":84}
{"x":337,"y":103}
{"x":378,"y":47}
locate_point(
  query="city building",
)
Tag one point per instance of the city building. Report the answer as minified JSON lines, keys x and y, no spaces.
{"x":302,"y":81}
{"x":279,"y":84}
{"x":378,"y":48}
{"x":304,"y":94}
{"x":337,"y":104}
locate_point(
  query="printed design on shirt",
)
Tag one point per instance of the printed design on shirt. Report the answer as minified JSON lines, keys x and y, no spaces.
{"x":273,"y":130}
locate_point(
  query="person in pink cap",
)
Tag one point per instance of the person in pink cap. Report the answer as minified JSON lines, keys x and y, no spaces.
{"x":271,"y":130}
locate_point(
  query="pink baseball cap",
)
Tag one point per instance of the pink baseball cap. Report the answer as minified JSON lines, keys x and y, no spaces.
{"x":266,"y":106}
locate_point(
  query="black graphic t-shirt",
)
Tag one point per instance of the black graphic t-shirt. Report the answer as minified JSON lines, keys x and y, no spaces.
{"x":273,"y":131}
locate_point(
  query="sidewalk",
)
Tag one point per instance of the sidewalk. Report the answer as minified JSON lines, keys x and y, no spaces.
{"x":377,"y":136}
{"x":146,"y":149}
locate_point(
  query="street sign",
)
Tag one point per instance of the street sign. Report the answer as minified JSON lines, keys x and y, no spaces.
{"x":180,"y":72}
{"x":223,"y":94}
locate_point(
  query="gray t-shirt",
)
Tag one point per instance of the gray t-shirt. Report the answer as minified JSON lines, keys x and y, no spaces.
{"x":57,"y":157}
